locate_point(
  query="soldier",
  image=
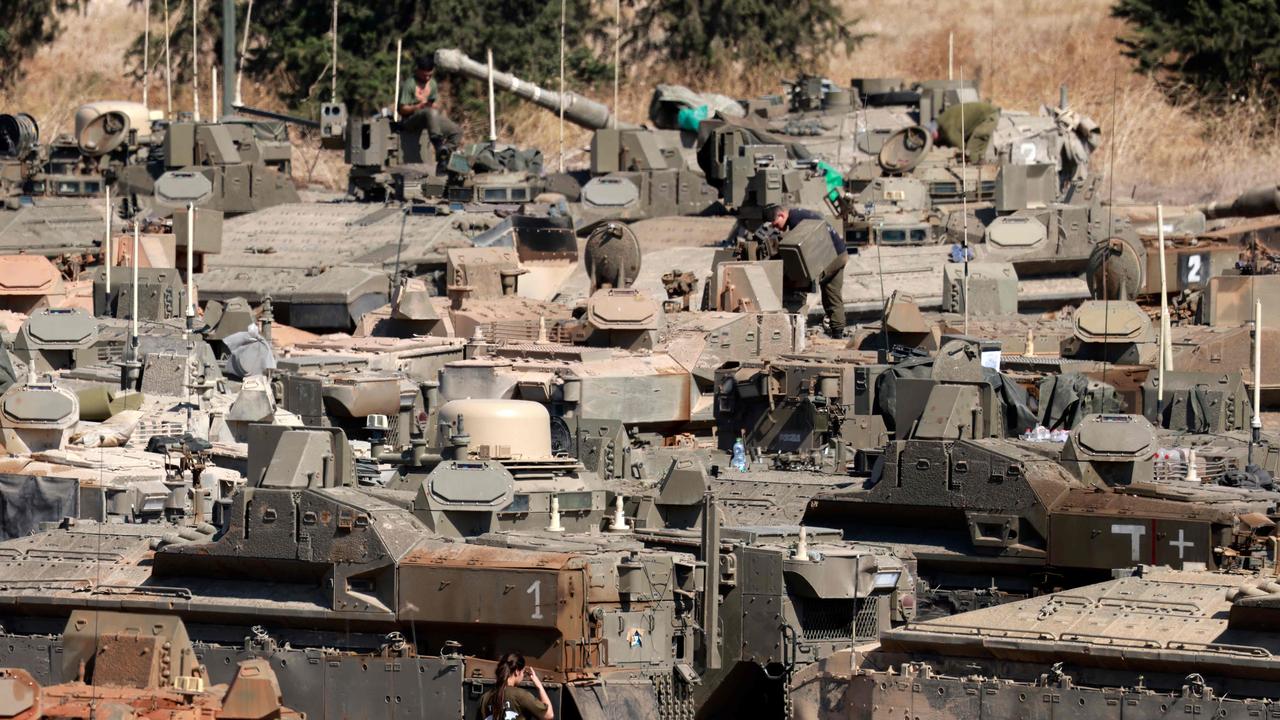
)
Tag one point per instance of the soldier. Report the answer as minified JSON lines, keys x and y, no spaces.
{"x":831,"y":283}
{"x":508,"y":702}
{"x":418,"y":110}
{"x":968,"y":126}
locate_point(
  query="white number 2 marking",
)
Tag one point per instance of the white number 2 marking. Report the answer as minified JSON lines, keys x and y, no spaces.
{"x":1195,"y":267}
{"x":536,"y":591}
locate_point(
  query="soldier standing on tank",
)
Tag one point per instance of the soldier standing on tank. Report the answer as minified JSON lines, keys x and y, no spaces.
{"x":418,"y":110}
{"x":831,"y":283}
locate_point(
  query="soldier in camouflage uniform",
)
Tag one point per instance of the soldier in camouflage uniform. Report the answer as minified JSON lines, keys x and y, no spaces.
{"x":969,"y":126}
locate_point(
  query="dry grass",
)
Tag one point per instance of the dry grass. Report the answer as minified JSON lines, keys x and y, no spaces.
{"x":86,"y":63}
{"x":1020,"y":50}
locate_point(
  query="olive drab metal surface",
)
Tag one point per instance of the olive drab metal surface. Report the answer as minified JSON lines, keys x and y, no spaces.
{"x":1049,"y":645}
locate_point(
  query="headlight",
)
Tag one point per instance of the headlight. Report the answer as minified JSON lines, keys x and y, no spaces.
{"x":886,"y":580}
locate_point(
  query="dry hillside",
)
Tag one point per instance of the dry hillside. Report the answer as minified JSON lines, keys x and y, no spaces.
{"x":1021,"y":50}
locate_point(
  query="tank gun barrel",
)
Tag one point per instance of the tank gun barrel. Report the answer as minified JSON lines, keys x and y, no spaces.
{"x":1257,"y":202}
{"x":577,"y":109}
{"x":272,"y":115}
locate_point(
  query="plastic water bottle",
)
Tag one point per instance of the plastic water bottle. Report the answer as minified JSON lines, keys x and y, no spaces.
{"x":739,"y":456}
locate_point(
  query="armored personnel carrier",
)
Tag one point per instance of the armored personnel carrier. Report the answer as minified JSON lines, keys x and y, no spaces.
{"x":369,"y":247}
{"x":102,"y":654}
{"x":1016,"y":517}
{"x":43,"y":187}
{"x":126,"y":144}
{"x":483,"y":541}
{"x":54,"y":204}
{"x":1156,"y":641}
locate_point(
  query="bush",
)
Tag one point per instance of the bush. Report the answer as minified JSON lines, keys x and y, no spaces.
{"x":759,"y":34}
{"x":1217,"y":51}
{"x":25,"y":25}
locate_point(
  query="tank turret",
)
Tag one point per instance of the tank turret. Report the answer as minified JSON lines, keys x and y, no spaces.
{"x":499,"y":429}
{"x":36,"y":418}
{"x":1114,"y":331}
{"x":1111,"y":449}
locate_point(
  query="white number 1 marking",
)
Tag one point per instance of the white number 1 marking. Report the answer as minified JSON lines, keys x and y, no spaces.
{"x":536,"y":591}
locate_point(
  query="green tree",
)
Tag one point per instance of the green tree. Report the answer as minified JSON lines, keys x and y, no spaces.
{"x":1214,"y":50}
{"x":25,"y":25}
{"x":290,"y":44}
{"x":760,"y":34}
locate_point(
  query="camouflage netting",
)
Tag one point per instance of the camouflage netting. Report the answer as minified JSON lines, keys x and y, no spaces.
{"x":1019,"y":407}
{"x":27,"y":501}
{"x":488,"y":157}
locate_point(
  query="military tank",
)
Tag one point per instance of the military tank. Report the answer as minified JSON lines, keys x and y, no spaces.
{"x":639,"y":173}
{"x":1197,"y":255}
{"x":749,"y":165}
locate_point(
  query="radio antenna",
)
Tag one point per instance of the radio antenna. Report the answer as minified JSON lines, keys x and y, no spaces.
{"x":333,"y":78}
{"x":964,"y":202}
{"x":1111,"y":196}
{"x":195,"y":58}
{"x":395,"y":101}
{"x":617,"y":42}
{"x":1163,"y":365}
{"x":168,"y":67}
{"x":146,"y":53}
{"x":562,"y":18}
{"x":244,"y":48}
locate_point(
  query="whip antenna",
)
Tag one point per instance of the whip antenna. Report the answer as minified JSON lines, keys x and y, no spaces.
{"x":395,"y":101}
{"x":964,"y":203}
{"x":562,"y":16}
{"x":146,"y":53}
{"x":333,"y":77}
{"x":244,"y":48}
{"x":195,"y":58}
{"x":1164,"y":363}
{"x":168,"y":67}
{"x":1111,"y":196}
{"x":617,"y":41}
